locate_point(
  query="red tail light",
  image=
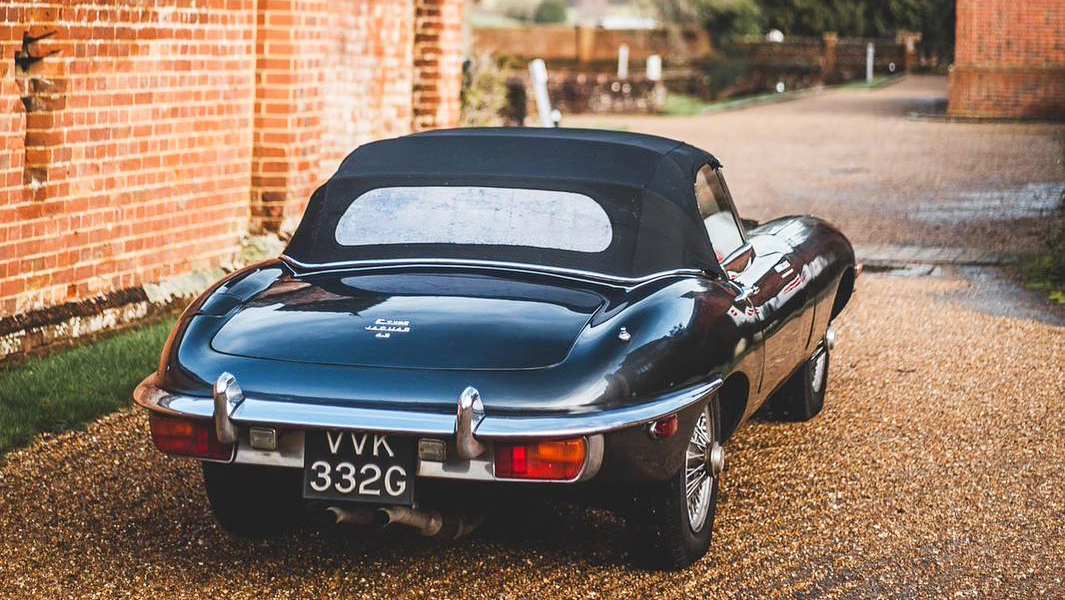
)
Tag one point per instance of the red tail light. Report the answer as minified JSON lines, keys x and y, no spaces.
{"x":556,"y":459}
{"x":664,"y":427}
{"x":188,"y":437}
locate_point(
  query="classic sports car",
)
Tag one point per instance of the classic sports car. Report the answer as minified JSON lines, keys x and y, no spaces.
{"x":473,"y":311}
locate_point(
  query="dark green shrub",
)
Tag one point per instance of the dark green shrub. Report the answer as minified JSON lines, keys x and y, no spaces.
{"x":1046,"y":271}
{"x":484,"y":90}
{"x":550,"y":11}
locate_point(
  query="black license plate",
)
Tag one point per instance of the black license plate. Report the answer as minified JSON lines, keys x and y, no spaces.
{"x":359,"y":466}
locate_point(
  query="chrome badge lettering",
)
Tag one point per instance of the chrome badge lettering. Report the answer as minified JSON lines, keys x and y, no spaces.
{"x":384,"y":328}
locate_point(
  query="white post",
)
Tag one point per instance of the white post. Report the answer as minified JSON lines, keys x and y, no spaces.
{"x":538,"y":72}
{"x":623,"y":61}
{"x":870,"y":50}
{"x":654,"y":67}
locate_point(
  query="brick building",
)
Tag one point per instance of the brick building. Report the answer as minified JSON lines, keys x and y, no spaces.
{"x":1009,"y":59}
{"x":140,"y":140}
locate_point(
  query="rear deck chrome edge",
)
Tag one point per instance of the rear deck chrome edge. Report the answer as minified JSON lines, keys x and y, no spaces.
{"x":386,"y":263}
{"x":513,"y":427}
{"x":152,"y":397}
{"x":327,"y":416}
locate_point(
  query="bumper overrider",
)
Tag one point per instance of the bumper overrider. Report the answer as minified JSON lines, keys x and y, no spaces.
{"x":232,"y":427}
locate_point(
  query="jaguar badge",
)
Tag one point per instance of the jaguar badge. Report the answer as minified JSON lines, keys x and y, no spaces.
{"x":384,"y":328}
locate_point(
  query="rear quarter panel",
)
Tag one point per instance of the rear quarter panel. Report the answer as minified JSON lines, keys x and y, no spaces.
{"x":827,"y":256}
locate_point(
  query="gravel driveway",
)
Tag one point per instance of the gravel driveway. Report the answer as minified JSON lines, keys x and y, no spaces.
{"x":936,"y":470}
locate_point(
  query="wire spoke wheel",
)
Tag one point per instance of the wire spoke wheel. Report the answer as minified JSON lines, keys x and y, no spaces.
{"x":672,"y":521}
{"x":819,"y":368}
{"x":698,"y":473}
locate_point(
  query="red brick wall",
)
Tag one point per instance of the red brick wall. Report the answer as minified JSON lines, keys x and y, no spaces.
{"x":137,"y":149}
{"x":1009,"y":59}
{"x":12,"y":156}
{"x":160,"y":133}
{"x":438,"y":56}
{"x":556,"y":42}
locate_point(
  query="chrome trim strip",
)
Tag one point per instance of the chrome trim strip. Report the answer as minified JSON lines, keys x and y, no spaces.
{"x":382,"y":263}
{"x":736,"y":253}
{"x":512,"y":427}
{"x":149,"y":396}
{"x":594,"y":458}
{"x":475,"y":469}
{"x":324,"y":416}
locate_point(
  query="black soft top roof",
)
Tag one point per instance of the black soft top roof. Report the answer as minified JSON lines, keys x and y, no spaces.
{"x":644,"y":182}
{"x":584,"y":154}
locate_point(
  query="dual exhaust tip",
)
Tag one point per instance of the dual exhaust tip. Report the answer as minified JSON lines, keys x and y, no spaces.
{"x":430,"y":523}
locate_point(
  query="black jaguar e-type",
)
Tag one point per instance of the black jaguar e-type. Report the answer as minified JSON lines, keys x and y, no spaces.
{"x":471,"y":311}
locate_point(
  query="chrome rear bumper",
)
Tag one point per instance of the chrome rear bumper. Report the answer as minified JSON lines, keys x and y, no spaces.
{"x":253,"y":411}
{"x":237,"y":413}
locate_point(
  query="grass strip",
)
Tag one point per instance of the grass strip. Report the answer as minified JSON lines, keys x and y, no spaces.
{"x":1045,"y":271}
{"x":685,"y":105}
{"x":69,"y":388}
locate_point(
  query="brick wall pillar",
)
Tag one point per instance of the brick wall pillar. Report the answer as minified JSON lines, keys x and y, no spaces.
{"x":1009,"y":60}
{"x":829,"y":61}
{"x":909,"y":40}
{"x":585,"y":43}
{"x":334,"y":74}
{"x":438,"y":56}
{"x":288,"y":103}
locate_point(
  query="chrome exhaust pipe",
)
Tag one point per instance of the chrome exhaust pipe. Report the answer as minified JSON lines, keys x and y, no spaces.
{"x":466,"y":525}
{"x":357,"y":515}
{"x":429,"y":523}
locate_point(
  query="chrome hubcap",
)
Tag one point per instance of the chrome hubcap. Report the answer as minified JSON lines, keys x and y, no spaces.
{"x":717,"y":459}
{"x":703,"y":461}
{"x":819,"y":370}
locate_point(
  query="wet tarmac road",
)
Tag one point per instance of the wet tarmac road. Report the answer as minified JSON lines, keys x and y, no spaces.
{"x":937,"y":470}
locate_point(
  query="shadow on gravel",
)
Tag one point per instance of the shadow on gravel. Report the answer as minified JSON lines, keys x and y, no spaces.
{"x":169,"y":527}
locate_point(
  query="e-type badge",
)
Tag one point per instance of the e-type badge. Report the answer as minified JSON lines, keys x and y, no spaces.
{"x":384,"y":328}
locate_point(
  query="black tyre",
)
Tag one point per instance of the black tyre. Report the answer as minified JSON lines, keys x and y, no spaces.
{"x":671,"y":522}
{"x":253,"y":501}
{"x":803,"y":395}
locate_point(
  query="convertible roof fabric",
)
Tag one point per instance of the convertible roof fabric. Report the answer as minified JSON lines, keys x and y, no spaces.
{"x":644,"y":183}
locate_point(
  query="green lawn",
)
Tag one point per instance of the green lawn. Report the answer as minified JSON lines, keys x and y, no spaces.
{"x":685,"y":105}
{"x":1045,"y":271}
{"x":878,"y":80}
{"x":72,"y":387}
